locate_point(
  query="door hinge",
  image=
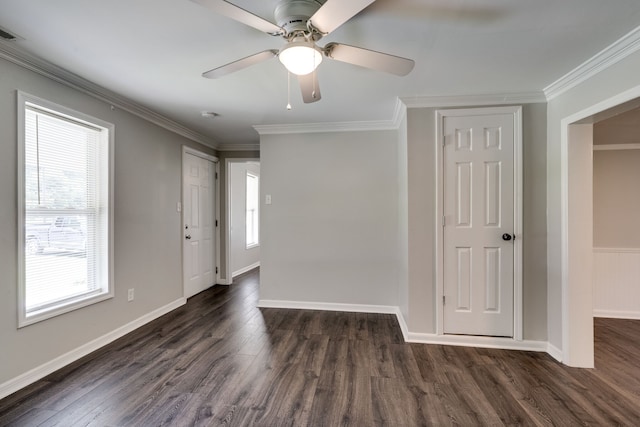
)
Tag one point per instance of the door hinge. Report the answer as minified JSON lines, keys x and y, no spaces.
{"x":216,"y":175}
{"x":443,"y":300}
{"x":216,"y":222}
{"x":216,"y":270}
{"x":443,"y":220}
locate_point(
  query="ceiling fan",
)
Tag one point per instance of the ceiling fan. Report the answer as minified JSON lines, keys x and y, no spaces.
{"x":302,"y":23}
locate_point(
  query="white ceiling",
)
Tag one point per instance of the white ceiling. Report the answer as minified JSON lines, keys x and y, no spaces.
{"x":153,"y":52}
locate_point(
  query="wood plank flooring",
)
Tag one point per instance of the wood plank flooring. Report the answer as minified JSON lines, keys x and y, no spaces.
{"x":219,"y":360}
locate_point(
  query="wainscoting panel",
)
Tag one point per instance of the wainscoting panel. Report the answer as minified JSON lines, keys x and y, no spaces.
{"x":616,"y":283}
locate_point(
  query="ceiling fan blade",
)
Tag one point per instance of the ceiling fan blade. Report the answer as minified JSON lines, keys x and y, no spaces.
{"x":309,"y":87}
{"x":369,"y":59}
{"x":236,"y":13}
{"x":334,"y":13}
{"x":238,"y":65}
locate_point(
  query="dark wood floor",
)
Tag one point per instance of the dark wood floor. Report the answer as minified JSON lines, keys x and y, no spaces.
{"x":220,"y":361}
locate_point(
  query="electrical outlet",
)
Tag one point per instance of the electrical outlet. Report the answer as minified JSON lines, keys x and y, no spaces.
{"x":130,"y":295}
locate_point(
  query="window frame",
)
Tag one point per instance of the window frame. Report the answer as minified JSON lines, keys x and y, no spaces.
{"x":106,"y":274}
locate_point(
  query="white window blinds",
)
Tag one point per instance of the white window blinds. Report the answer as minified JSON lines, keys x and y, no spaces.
{"x":65,"y":213}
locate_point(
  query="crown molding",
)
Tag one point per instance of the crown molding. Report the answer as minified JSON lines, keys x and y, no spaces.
{"x":355,"y":126}
{"x":326,"y":127}
{"x":399,"y":113}
{"x":239,"y":147}
{"x":470,"y":100}
{"x":30,"y":62}
{"x":612,"y":54}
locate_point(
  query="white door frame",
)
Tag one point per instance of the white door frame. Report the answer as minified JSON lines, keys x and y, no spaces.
{"x":227,"y":197}
{"x":516,"y":111}
{"x":216,"y":185}
{"x":577,"y":291}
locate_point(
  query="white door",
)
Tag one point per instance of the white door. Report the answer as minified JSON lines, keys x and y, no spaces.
{"x":478,"y":224}
{"x":198,"y":224}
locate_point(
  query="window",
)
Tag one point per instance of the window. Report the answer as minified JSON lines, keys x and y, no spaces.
{"x":253,"y":219}
{"x":65,"y":209}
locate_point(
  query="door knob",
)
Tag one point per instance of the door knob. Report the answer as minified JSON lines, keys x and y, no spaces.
{"x":188,"y":237}
{"x":507,"y":236}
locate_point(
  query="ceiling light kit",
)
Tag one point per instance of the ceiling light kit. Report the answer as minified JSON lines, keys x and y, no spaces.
{"x":302,"y":23}
{"x":300,"y":57}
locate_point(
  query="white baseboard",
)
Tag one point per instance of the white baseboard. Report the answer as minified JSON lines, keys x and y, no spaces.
{"x":42,"y":371}
{"x":554,"y":352}
{"x":308,"y":305}
{"x":476,"y":341}
{"x":458,"y":340}
{"x":617,"y":314}
{"x":224,"y":282}
{"x":245,"y":269}
{"x":403,"y":324}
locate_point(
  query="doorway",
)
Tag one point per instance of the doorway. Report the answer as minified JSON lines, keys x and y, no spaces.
{"x":577,"y":225}
{"x":243,"y":213}
{"x":199,"y":221}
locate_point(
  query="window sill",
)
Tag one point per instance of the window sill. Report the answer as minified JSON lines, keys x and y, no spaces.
{"x":48,"y":313}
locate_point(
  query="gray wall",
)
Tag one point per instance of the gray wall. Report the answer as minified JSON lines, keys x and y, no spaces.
{"x":616,"y":174}
{"x":147,"y":226}
{"x":422,"y":220}
{"x":616,"y":198}
{"x":421,"y":183}
{"x":403,"y":219}
{"x":623,"y":128}
{"x":331,"y":233}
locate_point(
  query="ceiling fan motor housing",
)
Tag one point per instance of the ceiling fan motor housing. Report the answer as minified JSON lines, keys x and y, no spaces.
{"x":292,"y":16}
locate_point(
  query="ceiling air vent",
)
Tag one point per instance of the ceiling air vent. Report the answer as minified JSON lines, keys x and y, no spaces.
{"x":6,"y":36}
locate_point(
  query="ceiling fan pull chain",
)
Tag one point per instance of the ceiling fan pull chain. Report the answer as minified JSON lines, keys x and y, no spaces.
{"x":315,"y":78}
{"x":288,"y":90}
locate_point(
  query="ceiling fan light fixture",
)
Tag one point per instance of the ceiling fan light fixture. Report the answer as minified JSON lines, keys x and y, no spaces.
{"x":300,"y":57}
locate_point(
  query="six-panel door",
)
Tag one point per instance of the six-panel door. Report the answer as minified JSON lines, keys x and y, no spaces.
{"x":478,"y":224}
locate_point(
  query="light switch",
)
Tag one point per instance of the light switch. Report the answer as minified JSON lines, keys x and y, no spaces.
{"x":267,"y":199}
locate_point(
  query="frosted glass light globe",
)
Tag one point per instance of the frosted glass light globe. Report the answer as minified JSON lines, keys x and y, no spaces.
{"x":300,"y":57}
